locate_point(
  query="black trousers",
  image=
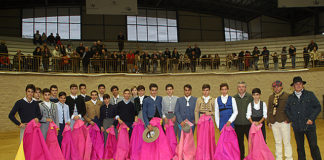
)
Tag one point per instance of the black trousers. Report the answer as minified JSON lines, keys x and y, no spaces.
{"x":242,"y":130}
{"x":312,"y":142}
{"x":60,"y":136}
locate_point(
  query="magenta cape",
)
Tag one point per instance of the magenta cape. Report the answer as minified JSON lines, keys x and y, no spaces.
{"x":136,"y":140}
{"x":227,"y":145}
{"x":169,"y":132}
{"x":97,"y":142}
{"x":81,"y":139}
{"x":258,"y":149}
{"x":69,"y":151}
{"x":111,"y":144}
{"x":205,"y":138}
{"x":186,"y":148}
{"x":122,"y":151}
{"x":159,"y":149}
{"x":35,"y":147}
{"x":52,"y":143}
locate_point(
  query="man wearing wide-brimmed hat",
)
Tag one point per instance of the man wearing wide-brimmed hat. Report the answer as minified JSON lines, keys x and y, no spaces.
{"x":302,"y":109}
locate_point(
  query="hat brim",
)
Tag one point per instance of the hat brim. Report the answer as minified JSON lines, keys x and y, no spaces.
{"x":153,"y":138}
{"x":304,"y":82}
{"x":186,"y":128}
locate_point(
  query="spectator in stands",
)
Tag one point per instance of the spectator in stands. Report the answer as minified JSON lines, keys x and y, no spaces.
{"x":284,"y":54}
{"x":19,"y":60}
{"x":99,"y":46}
{"x":241,"y":60}
{"x":216,"y":62}
{"x":37,"y":38}
{"x":311,"y":46}
{"x":235,"y":60}
{"x":155,"y":58}
{"x":69,"y":50}
{"x":292,"y":53}
{"x":44,"y":37}
{"x":306,"y":57}
{"x":58,"y":39}
{"x":248,"y":60}
{"x":121,"y":39}
{"x":86,"y":55}
{"x":146,"y":62}
{"x":122,"y":62}
{"x":204,"y":61}
{"x":96,"y":62}
{"x":163,"y":62}
{"x":56,"y":52}
{"x":5,"y":62}
{"x":37,"y":54}
{"x":80,"y":49}
{"x":229,"y":59}
{"x":45,"y":58}
{"x":167,"y":55}
{"x":193,"y":60}
{"x":316,"y":56}
{"x":130,"y":61}
{"x":114,"y":58}
{"x":3,"y":47}
{"x":266,"y":54}
{"x":275,"y":60}
{"x":63,"y":50}
{"x":75,"y":62}
{"x":175,"y":59}
{"x":51,"y":39}
{"x":189,"y":50}
{"x":198,"y":52}
{"x":256,"y":54}
{"x":94,"y":48}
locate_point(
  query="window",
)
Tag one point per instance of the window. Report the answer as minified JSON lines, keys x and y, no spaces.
{"x":64,"y":21}
{"x":235,"y":30}
{"x":152,"y":25}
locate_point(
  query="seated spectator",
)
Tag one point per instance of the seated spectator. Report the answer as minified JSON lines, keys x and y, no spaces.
{"x":51,"y":39}
{"x":58,"y":39}
{"x":312,"y":45}
{"x":3,"y":47}
{"x":44,"y":37}
{"x":37,"y":38}
{"x":94,"y":48}
{"x":80,"y":49}
{"x":69,"y":50}
{"x":63,"y":50}
{"x":56,"y":52}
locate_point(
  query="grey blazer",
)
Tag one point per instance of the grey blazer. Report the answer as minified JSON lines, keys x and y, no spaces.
{"x":112,"y":101}
{"x":182,"y":111}
{"x":47,"y":113}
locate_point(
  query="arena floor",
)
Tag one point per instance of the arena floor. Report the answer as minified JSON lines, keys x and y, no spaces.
{"x":10,"y":142}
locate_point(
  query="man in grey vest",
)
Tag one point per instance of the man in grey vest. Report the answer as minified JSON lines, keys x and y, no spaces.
{"x":242,"y":125}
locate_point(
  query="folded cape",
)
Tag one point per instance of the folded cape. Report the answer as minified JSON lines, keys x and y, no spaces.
{"x":169,"y":132}
{"x":111,"y":144}
{"x":186,"y":149}
{"x":81,"y":139}
{"x":136,"y":140}
{"x":69,"y":150}
{"x":205,"y":138}
{"x":122,"y":151}
{"x":52,"y":142}
{"x":97,"y":142}
{"x":227,"y":145}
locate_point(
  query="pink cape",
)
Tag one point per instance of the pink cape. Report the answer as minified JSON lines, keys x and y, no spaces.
{"x":52,"y":143}
{"x":97,"y":142}
{"x":111,"y":144}
{"x":186,"y":148}
{"x":258,"y":149}
{"x":159,"y":149}
{"x":227,"y":145}
{"x":205,"y":138}
{"x":81,"y":139}
{"x":69,"y":151}
{"x":35,"y":147}
{"x":169,"y":132}
{"x":136,"y":140}
{"x":122,"y":151}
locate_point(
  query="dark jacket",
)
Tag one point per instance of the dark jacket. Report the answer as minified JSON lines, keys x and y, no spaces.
{"x":138,"y":106}
{"x":79,"y":104}
{"x":299,"y":111}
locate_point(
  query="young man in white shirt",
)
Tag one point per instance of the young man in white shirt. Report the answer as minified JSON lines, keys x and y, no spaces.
{"x":138,"y":101}
{"x":225,"y":108}
{"x":116,"y":98}
{"x":168,"y":107}
{"x":83,"y":92}
{"x":63,"y":115}
{"x":257,"y":111}
{"x":102,"y":91}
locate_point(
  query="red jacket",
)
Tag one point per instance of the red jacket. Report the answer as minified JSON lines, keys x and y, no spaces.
{"x":130,"y":58}
{"x":4,"y":60}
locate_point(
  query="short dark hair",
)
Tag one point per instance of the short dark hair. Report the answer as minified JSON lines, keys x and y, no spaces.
{"x":113,"y":87}
{"x":38,"y":89}
{"x":126,"y":90}
{"x":30,"y":86}
{"x":134,"y":87}
{"x":101,"y":85}
{"x":82,"y":84}
{"x":73,"y":85}
{"x":53,"y":86}
{"x":140,"y":87}
{"x":187,"y":86}
{"x":256,"y":90}
{"x":153,"y":85}
{"x":106,"y":96}
{"x":93,"y":91}
{"x":46,"y":90}
{"x":169,"y":85}
{"x":223,"y":85}
{"x":204,"y":86}
{"x":62,"y":94}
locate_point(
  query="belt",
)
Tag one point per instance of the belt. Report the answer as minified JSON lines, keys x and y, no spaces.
{"x":170,"y":112}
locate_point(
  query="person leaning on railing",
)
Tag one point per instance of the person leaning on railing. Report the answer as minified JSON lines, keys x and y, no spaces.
{"x":256,"y":54}
{"x":175,"y":60}
{"x":46,"y":54}
{"x":96,"y":62}
{"x":229,"y":59}
{"x":19,"y":60}
{"x":284,"y":54}
{"x":306,"y":57}
{"x":37,"y":54}
{"x":5,"y":62}
{"x":75,"y":62}
{"x":216,"y":62}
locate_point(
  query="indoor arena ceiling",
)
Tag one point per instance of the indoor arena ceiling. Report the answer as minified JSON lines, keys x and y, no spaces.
{"x":244,"y":10}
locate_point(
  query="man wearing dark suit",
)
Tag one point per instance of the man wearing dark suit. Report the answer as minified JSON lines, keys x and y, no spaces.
{"x":185,"y":108}
{"x":83,"y":91}
{"x":76,"y":105}
{"x":152,"y":106}
{"x":138,"y":101}
{"x":86,"y":59}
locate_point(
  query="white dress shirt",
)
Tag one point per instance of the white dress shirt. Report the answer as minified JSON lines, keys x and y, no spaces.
{"x":74,"y":97}
{"x":234,"y":106}
{"x":141,"y":99}
{"x":298,"y":94}
{"x":115,"y":99}
{"x":206,"y":99}
{"x":154,"y":98}
{"x":100,"y":97}
{"x":27,"y":100}
{"x":48,"y":104}
{"x":256,"y":107}
{"x":94,"y":102}
{"x":63,"y":108}
{"x":187,"y":99}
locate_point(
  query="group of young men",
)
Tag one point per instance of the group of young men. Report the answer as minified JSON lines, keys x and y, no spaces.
{"x":239,"y":111}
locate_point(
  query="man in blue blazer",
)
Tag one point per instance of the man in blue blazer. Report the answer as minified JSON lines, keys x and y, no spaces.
{"x":152,"y":106}
{"x":185,"y":107}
